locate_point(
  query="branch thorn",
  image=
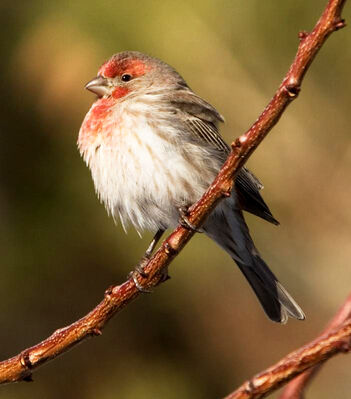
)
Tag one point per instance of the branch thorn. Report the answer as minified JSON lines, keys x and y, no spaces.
{"x":169,"y":249}
{"x":340,"y":24}
{"x":292,"y":90}
{"x":25,"y":361}
{"x":250,"y":387}
{"x":346,"y":346}
{"x":237,"y":143}
{"x":108,"y":291}
{"x":303,"y":34}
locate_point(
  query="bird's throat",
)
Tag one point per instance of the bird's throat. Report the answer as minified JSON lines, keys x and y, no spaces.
{"x":98,"y":121}
{"x":119,"y":92}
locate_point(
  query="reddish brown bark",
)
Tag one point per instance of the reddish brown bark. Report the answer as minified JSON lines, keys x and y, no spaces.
{"x":336,"y":338}
{"x":295,"y":389}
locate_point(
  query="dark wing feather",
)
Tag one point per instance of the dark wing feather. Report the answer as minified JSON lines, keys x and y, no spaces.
{"x":248,"y":186}
{"x":202,"y":119}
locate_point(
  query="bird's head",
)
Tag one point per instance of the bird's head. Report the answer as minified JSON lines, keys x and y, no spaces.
{"x":132,"y":72}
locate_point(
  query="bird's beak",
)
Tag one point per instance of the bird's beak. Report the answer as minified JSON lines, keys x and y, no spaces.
{"x":98,"y":86}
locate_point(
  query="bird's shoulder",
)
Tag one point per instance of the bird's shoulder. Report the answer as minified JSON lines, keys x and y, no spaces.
{"x":200,"y":117}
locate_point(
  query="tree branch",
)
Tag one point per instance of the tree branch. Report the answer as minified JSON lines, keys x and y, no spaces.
{"x":336,"y":338}
{"x":295,"y":389}
{"x":21,"y":366}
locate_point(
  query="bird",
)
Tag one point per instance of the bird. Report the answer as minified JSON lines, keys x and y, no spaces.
{"x":153,"y":147}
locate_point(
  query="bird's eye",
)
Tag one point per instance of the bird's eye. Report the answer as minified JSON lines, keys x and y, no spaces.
{"x":126,"y":77}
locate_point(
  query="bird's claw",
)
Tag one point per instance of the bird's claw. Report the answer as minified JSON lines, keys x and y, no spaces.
{"x":184,"y":221}
{"x":140,"y":266}
{"x":134,"y":275}
{"x":139,"y":271}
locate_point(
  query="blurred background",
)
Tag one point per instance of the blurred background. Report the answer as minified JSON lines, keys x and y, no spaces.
{"x":202,"y":333}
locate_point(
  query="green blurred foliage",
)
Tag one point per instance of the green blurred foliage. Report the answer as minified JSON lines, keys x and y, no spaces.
{"x":203,"y":332}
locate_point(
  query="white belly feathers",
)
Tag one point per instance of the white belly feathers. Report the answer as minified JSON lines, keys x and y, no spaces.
{"x":145,"y":171}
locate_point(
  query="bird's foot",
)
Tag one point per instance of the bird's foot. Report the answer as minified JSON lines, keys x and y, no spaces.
{"x":141,"y":265}
{"x":140,"y":272}
{"x":184,"y":221}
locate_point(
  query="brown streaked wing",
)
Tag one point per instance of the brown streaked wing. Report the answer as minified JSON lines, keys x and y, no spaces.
{"x":208,"y":132}
{"x":202,"y":119}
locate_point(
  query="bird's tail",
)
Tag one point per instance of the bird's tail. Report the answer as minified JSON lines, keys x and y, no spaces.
{"x":227,"y":227}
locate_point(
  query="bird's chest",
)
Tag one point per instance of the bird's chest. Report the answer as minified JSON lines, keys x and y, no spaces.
{"x":135,"y":167}
{"x":144,"y":168}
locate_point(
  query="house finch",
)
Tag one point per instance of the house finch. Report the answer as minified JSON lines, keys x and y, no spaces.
{"x":153,"y":147}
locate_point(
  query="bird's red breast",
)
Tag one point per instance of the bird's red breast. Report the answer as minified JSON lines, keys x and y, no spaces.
{"x":97,"y":122}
